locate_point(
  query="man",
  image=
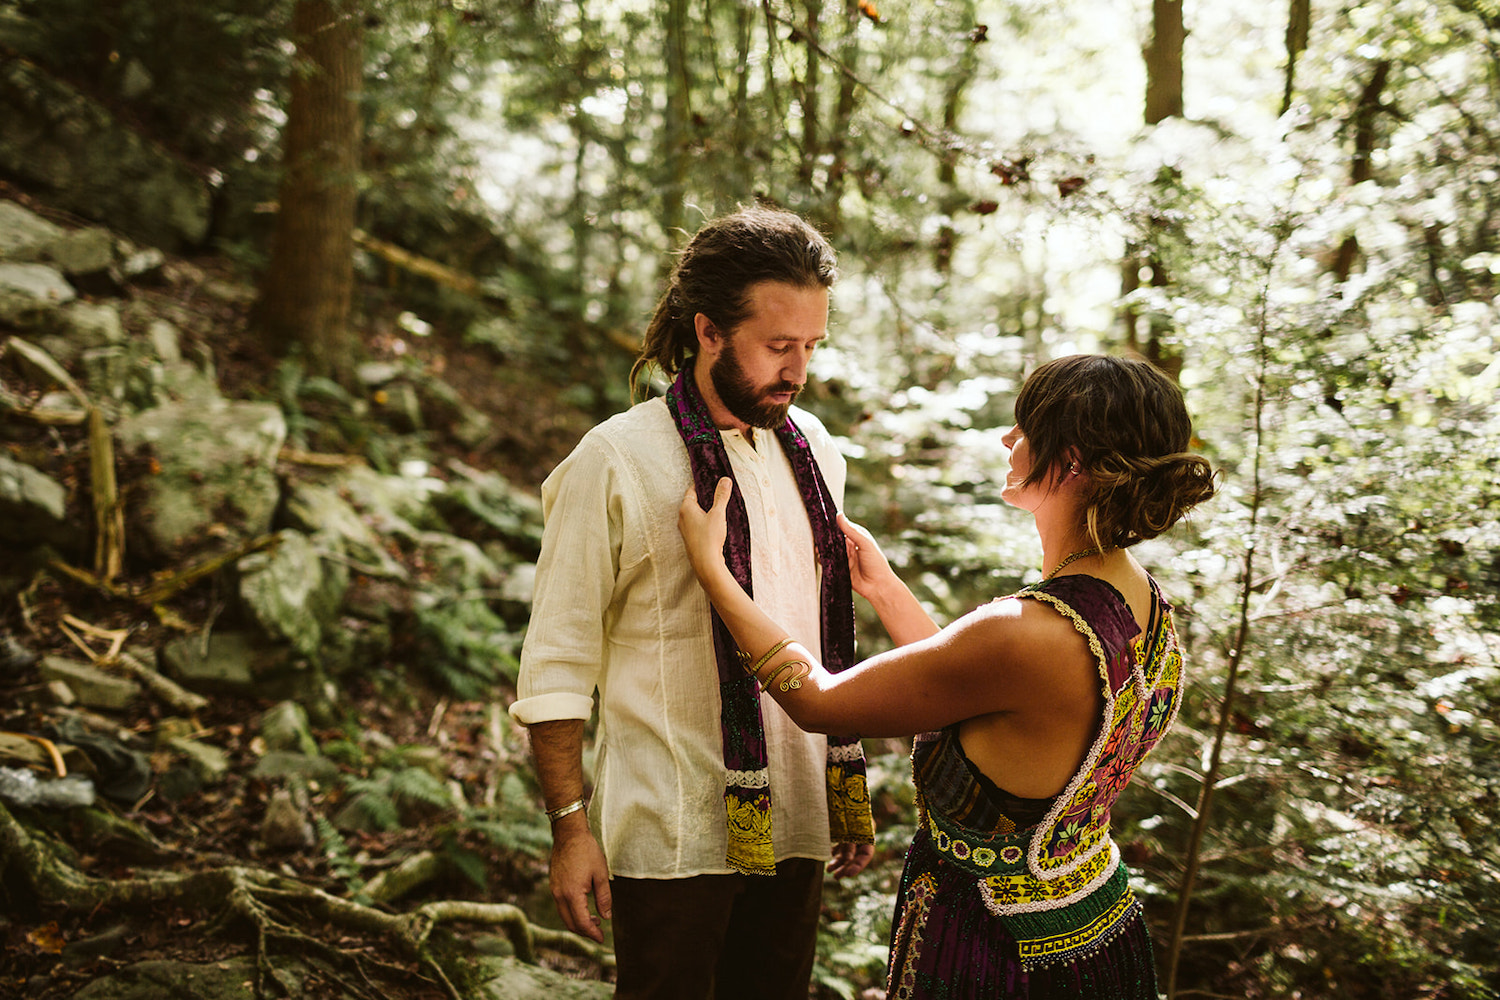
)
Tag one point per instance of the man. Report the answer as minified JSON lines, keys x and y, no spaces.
{"x":714,"y":813}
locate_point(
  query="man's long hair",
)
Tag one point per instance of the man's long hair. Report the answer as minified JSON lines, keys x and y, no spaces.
{"x":715,"y":271}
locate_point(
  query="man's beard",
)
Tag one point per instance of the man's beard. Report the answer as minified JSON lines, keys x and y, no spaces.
{"x":744,"y":400}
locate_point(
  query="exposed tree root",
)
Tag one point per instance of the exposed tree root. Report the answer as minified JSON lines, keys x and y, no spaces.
{"x":278,"y":909}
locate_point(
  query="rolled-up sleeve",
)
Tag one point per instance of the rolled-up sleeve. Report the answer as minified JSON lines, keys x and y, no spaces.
{"x":563,"y":653}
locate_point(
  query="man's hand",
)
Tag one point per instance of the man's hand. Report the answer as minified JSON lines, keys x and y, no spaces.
{"x":578,"y":872}
{"x":850,"y":859}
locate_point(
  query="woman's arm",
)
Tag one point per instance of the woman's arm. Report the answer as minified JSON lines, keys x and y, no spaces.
{"x":1003,"y":657}
{"x":903,"y":616}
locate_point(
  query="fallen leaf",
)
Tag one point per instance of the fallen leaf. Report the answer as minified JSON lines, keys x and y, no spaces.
{"x":47,"y":938}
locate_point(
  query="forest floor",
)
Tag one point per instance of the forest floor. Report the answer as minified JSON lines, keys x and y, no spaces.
{"x":52,"y":953}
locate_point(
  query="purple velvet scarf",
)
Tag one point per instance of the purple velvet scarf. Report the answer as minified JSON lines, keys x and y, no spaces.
{"x":747,"y":795}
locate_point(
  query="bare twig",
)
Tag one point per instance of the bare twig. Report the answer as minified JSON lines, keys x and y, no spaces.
{"x":1237,"y":651}
{"x":109,"y":515}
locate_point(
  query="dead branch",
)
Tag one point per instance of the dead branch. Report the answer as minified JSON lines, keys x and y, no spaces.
{"x":318,"y":459}
{"x":109,"y":514}
{"x":163,"y":687}
{"x":416,"y":264}
{"x":172,"y":584}
{"x":49,"y":366}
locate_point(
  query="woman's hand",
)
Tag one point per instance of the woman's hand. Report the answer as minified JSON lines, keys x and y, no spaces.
{"x":869,"y":570}
{"x":704,"y":531}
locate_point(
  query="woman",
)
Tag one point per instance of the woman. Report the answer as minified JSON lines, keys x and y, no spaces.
{"x":1033,"y":711}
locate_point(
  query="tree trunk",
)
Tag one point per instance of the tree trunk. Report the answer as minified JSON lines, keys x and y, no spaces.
{"x":1164,"y":62}
{"x":1298,"y":20}
{"x":838,"y":135}
{"x":740,"y":163}
{"x":811,"y":139}
{"x":954,"y":197}
{"x":1164,"y":100}
{"x":678,"y":115}
{"x":1360,"y":169}
{"x":307,"y":291}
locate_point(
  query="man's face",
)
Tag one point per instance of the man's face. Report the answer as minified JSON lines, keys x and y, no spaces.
{"x":758,"y":371}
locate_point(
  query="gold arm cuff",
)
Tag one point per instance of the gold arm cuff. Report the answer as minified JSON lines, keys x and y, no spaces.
{"x":753,"y":671}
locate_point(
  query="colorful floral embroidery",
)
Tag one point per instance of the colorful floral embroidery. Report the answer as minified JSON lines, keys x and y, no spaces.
{"x":908,"y":937}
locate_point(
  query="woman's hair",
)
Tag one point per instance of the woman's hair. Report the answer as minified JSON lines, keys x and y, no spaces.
{"x":1125,"y":423}
{"x":714,"y":273}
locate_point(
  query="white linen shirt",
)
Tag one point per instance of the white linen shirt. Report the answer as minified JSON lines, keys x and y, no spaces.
{"x":617,"y":609}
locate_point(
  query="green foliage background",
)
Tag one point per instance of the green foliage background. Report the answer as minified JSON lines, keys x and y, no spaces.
{"x":982,"y":168}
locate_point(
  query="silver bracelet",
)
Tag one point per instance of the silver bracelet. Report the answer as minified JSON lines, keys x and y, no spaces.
{"x":553,"y":815}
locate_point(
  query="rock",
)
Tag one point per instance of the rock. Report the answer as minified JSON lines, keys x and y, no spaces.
{"x":314,"y":508}
{"x":30,"y":292}
{"x":92,"y":686}
{"x":393,"y":504}
{"x":510,"y":979}
{"x":88,"y":949}
{"x":105,"y":373}
{"x":233,"y":663}
{"x":284,"y":726}
{"x":33,"y":505}
{"x":90,"y":324}
{"x":165,"y":340}
{"x":142,"y":264}
{"x":285,"y":764}
{"x":25,"y":237}
{"x":515,"y":515}
{"x":292,"y":591}
{"x":209,"y":763}
{"x":217,"y":475}
{"x":374,"y":374}
{"x":284,"y":825}
{"x":83,"y":251}
{"x":14,"y":656}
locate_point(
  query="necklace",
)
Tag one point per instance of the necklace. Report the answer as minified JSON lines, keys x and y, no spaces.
{"x":1081,"y":554}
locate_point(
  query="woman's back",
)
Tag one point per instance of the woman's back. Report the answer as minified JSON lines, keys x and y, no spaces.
{"x":1034,"y":747}
{"x":1027,"y":895}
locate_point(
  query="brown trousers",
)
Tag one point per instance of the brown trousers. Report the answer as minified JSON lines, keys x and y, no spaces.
{"x":718,"y":937}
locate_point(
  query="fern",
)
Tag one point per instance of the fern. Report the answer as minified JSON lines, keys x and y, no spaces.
{"x":468,"y":863}
{"x":515,"y":823}
{"x":417,"y":785}
{"x":372,"y":805}
{"x":340,"y":859}
{"x":464,"y":645}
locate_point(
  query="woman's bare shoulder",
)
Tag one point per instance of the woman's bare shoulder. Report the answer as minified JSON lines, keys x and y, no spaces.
{"x":1018,"y":632}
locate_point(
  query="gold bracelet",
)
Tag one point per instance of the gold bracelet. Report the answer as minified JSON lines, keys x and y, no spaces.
{"x":553,"y":815}
{"x":765,"y":657}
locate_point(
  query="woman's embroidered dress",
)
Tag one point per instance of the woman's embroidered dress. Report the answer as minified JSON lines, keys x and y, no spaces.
{"x":1010,"y":897}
